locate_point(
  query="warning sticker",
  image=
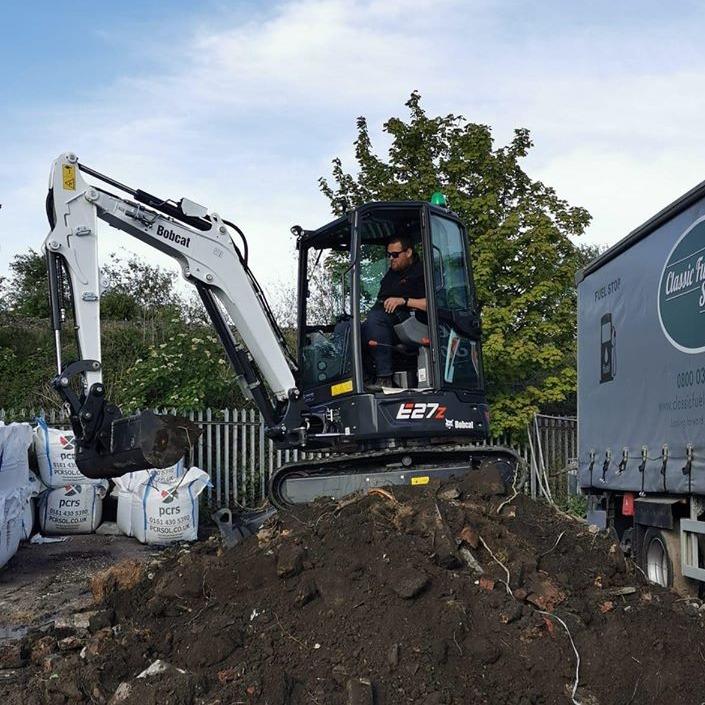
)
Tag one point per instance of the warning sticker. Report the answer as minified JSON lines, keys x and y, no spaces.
{"x":420,"y":480}
{"x":341,"y":388}
{"x":68,"y":171}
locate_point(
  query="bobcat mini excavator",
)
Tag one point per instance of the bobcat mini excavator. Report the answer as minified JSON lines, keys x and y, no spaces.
{"x":428,"y":425}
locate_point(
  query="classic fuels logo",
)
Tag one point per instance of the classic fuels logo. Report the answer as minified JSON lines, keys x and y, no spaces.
{"x":681,"y":295}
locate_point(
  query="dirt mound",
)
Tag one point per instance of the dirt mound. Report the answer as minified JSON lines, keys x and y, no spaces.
{"x":400,"y":596}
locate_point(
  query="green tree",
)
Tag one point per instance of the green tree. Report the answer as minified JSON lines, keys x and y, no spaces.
{"x":519,"y":230}
{"x":157,"y":347}
{"x":26,"y":293}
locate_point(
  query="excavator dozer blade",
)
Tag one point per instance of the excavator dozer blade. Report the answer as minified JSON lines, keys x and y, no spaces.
{"x":139,"y":442}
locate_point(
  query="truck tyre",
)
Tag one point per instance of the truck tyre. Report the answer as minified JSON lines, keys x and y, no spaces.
{"x":656,"y":560}
{"x":661,"y":559}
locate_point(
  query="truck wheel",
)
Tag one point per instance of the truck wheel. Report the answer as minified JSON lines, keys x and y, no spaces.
{"x":656,"y":561}
{"x":661,"y":559}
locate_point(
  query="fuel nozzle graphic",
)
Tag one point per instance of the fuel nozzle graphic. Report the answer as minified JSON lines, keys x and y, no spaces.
{"x":608,"y":352}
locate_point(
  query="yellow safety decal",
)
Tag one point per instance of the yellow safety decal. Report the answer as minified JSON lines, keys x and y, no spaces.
{"x":421,"y":480}
{"x":68,"y":171}
{"x":341,"y":388}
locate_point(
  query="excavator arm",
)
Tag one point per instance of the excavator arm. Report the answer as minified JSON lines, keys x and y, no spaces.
{"x":109,"y":444}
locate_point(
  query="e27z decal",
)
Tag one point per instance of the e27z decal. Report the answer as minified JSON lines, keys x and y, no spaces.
{"x":415,"y":411}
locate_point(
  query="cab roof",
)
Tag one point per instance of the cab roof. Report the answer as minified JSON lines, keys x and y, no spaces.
{"x":381,"y":219}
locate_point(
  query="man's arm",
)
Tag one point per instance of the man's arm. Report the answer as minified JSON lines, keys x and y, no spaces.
{"x":392,"y":303}
{"x":418,"y":304}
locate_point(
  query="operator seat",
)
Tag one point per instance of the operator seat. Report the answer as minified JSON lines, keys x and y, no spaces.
{"x":413,"y":338}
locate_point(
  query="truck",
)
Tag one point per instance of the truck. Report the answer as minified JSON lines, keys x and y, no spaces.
{"x":641,"y":392}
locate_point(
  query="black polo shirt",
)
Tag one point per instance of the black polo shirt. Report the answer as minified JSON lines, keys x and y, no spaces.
{"x":405,"y":284}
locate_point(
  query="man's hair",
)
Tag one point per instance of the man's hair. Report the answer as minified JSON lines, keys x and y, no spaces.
{"x":403,"y":240}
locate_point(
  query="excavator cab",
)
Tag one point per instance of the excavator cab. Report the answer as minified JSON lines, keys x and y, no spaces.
{"x":437,"y":389}
{"x":428,"y":423}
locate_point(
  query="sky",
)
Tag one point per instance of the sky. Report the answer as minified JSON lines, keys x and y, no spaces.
{"x":241,"y":106}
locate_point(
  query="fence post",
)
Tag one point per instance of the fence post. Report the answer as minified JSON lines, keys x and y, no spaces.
{"x":209,"y":450}
{"x":253,"y":484}
{"x":233,"y":469}
{"x":243,"y":456}
{"x":262,"y":467}
{"x":218,"y":468}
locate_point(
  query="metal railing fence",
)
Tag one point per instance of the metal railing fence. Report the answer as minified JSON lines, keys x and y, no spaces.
{"x":240,"y":459}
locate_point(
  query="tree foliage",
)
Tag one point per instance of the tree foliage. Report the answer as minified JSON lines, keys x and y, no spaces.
{"x":157,"y":348}
{"x":519,"y":230}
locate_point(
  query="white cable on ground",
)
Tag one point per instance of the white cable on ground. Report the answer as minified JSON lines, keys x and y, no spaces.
{"x":499,"y":563}
{"x":575,"y":650}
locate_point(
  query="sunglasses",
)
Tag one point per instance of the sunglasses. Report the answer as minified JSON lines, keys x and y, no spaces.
{"x":394,"y":255}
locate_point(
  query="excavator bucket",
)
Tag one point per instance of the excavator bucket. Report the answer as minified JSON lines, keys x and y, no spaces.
{"x":139,"y":442}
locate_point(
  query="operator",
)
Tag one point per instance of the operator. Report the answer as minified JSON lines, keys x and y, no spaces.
{"x":401,"y":291}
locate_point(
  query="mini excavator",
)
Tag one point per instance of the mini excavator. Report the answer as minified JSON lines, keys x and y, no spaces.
{"x":431,"y":422}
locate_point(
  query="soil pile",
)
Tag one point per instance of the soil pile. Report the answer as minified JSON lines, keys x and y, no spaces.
{"x":452,"y":594}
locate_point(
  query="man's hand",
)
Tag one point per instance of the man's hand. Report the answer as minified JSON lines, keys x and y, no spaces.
{"x":393,"y":303}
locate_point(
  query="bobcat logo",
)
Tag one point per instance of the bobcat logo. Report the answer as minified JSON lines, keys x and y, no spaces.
{"x":71,"y":490}
{"x":67,"y":442}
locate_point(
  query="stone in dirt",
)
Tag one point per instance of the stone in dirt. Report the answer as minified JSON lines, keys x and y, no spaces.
{"x":393,"y":656}
{"x":12,"y":654}
{"x":70,"y":643}
{"x":545,"y":594}
{"x":487,"y":584}
{"x":359,"y":691}
{"x":470,"y":561}
{"x":486,"y":482}
{"x":290,"y":560}
{"x":484,"y":650}
{"x":210,"y":649}
{"x":410,"y":583}
{"x":469,"y":536}
{"x":100,"y":619}
{"x":449,"y":495}
{"x":306,"y":592}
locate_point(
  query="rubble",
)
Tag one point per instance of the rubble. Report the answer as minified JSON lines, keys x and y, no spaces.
{"x":362,"y":603}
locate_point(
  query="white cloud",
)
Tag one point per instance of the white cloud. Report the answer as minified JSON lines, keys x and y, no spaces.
{"x":246,"y":115}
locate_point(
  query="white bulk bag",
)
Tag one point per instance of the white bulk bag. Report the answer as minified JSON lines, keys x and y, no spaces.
{"x":168,"y":512}
{"x":55,"y":450}
{"x":15,"y":439}
{"x":72,"y":509}
{"x":125,"y":486}
{"x":29,"y":514}
{"x":27,"y":519}
{"x":168,"y":475}
{"x":9,"y":539}
{"x":10,"y":523}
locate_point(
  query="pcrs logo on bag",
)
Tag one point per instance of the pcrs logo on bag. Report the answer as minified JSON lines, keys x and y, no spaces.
{"x":67,"y":442}
{"x":169,"y":496}
{"x":681,"y":294}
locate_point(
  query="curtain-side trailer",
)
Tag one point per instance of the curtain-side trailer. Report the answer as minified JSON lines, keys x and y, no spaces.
{"x":641,"y":392}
